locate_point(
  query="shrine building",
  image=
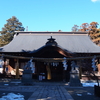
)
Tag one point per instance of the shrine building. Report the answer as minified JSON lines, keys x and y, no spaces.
{"x":49,"y":50}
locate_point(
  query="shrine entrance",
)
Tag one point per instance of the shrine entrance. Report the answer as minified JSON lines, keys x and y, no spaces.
{"x":51,"y":70}
{"x":56,"y":72}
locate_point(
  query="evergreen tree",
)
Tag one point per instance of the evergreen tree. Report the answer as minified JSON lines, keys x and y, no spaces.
{"x":9,"y":29}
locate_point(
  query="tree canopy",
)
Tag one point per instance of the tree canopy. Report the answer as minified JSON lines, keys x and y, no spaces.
{"x":75,"y":28}
{"x":84,"y":27}
{"x":9,"y":29}
{"x":92,"y":29}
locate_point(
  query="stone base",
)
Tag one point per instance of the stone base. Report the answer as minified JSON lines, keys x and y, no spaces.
{"x":74,"y":80}
{"x":27,"y":77}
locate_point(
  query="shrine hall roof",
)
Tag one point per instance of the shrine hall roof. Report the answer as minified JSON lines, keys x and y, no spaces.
{"x":76,"y":42}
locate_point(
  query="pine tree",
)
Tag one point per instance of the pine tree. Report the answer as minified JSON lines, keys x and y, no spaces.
{"x":9,"y":29}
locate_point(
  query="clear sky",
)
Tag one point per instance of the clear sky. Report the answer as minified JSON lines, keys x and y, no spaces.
{"x":50,"y":15}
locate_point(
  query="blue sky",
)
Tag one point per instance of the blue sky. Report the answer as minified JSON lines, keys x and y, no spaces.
{"x":50,"y":15}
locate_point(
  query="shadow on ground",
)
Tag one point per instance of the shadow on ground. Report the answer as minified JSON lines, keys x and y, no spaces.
{"x":84,"y":93}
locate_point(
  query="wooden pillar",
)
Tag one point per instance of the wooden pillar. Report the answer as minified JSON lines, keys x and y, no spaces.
{"x":17,"y":69}
{"x":4,"y":67}
{"x":80,"y":72}
{"x":48,"y":72}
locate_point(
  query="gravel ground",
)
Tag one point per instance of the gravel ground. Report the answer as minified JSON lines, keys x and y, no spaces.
{"x":84,"y":93}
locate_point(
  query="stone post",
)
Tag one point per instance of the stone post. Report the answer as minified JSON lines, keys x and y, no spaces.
{"x":74,"y":76}
{"x":27,"y":77}
{"x":27,"y":74}
{"x":80,"y":68}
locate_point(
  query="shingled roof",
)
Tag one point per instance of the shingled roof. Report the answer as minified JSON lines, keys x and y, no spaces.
{"x":76,"y":42}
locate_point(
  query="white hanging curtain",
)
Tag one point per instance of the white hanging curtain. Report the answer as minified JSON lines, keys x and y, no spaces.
{"x":65,"y":64}
{"x":1,"y":64}
{"x":32,"y":65}
{"x":94,"y":63}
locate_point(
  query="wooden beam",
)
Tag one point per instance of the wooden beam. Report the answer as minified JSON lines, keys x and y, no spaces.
{"x":48,"y":59}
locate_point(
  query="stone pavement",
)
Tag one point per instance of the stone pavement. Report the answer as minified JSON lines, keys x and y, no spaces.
{"x":50,"y":92}
{"x":40,"y":90}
